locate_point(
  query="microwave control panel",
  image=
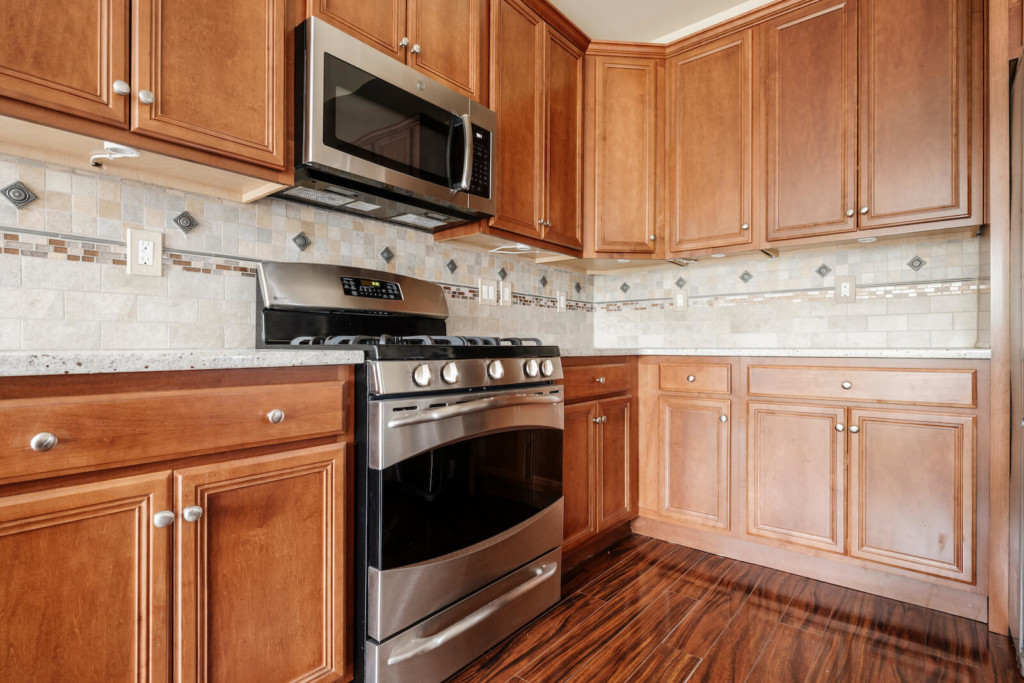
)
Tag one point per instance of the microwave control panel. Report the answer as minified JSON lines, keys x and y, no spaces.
{"x":480,"y":183}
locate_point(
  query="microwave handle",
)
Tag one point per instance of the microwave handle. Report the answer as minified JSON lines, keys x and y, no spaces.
{"x":467,"y":158}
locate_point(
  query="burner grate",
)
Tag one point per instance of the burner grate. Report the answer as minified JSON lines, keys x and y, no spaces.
{"x":418,"y":340}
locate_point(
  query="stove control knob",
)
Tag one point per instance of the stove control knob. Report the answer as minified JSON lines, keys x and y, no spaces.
{"x":495,"y":370}
{"x":547,"y":368}
{"x":422,"y":375}
{"x":450,"y":373}
{"x":531,"y":367}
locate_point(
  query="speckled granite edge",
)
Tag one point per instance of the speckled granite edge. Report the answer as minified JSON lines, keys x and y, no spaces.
{"x":965,"y":354}
{"x":26,"y":363}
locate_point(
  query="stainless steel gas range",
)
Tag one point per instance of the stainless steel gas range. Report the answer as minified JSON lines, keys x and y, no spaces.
{"x":458,"y":466}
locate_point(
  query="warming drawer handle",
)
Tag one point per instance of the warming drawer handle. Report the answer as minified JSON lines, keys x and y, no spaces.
{"x":470,"y":407}
{"x":421,"y":646}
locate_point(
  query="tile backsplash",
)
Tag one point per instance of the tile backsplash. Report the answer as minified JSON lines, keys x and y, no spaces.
{"x":62,"y":274}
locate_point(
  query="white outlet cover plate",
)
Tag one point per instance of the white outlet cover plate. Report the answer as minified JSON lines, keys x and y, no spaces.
{"x":846,"y":289}
{"x":154,"y":261}
{"x":561,"y":301}
{"x":506,"y":294}
{"x":488,"y":292}
{"x":682,"y":300}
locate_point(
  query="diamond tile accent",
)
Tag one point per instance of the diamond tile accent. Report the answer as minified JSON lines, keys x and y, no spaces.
{"x":543,"y":281}
{"x":186,"y":222}
{"x":680,"y":283}
{"x":916,"y":263}
{"x":502,"y":274}
{"x":302,"y":241}
{"x":452,"y":266}
{"x":624,"y":287}
{"x":578,"y":288}
{"x":387,"y":254}
{"x":823,"y":270}
{"x":746,"y":276}
{"x":19,"y":195}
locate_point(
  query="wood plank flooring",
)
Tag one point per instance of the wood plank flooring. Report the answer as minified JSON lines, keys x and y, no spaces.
{"x":646,"y":610}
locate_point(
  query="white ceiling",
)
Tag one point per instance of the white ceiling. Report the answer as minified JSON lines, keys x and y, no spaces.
{"x":650,"y":21}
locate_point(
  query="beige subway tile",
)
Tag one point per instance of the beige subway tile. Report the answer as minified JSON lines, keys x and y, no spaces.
{"x":100,"y":306}
{"x":66,"y":335}
{"x":133,"y":335}
{"x":168,"y":309}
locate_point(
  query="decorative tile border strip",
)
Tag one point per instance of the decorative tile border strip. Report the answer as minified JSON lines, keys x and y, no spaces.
{"x":864,"y":293}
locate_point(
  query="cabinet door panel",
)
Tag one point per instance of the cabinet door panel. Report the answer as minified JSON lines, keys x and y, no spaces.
{"x":695,"y":460}
{"x":578,"y":475}
{"x":564,"y":130}
{"x":796,"y":474}
{"x":517,"y":58}
{"x":260,"y":576}
{"x":709,"y":99}
{"x":66,"y":56}
{"x":452,"y":35}
{"x":217,"y":72}
{"x":622,"y":134}
{"x":811,"y":120}
{"x":380,"y":23}
{"x":915,"y":111}
{"x":616,"y":501}
{"x":86,"y":582}
{"x":912,"y":480}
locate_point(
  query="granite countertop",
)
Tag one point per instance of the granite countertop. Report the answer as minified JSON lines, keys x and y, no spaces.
{"x":24,"y":363}
{"x":966,"y":354}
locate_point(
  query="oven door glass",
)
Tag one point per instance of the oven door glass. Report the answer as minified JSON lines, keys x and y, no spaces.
{"x":452,"y":497}
{"x":371,"y":119}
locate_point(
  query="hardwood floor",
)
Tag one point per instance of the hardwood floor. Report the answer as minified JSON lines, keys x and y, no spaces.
{"x":646,"y":610}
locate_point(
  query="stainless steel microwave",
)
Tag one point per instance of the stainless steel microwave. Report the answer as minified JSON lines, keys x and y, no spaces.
{"x":377,"y":138}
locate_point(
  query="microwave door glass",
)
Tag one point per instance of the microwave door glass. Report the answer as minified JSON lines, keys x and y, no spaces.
{"x":371,"y":119}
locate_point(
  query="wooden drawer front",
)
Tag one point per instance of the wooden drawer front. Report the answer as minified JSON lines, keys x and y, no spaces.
{"x":897,"y":385}
{"x":696,"y":377}
{"x":586,"y":381}
{"x":121,"y":429}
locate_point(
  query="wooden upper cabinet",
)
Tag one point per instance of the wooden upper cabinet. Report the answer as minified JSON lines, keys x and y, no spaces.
{"x":709,"y":145}
{"x":621,"y":155}
{"x":86,"y":582}
{"x":563,"y":125}
{"x":517,"y":77}
{"x":260,"y":576}
{"x":918,"y":124}
{"x":66,"y":56}
{"x":380,"y":23}
{"x":810,"y":105}
{"x":216,"y":72}
{"x":452,"y":40}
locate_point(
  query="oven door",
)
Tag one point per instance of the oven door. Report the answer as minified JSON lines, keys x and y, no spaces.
{"x":461,"y":491}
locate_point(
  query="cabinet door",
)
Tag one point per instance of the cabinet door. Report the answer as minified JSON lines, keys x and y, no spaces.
{"x":260,"y":576}
{"x":695,"y":460}
{"x":915,"y":111}
{"x":452,"y":37}
{"x":912,"y":479}
{"x":564,"y":142}
{"x":622,"y":140}
{"x":709,"y":145}
{"x":86,"y":583}
{"x":811,"y":120}
{"x":517,"y":94}
{"x":616,"y":476}
{"x":66,"y":56}
{"x":380,"y":23}
{"x":796,"y":474}
{"x":578,"y":475}
{"x":216,"y":70}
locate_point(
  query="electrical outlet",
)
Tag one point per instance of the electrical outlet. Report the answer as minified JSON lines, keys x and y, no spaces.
{"x":560,"y":304}
{"x":488,"y":292}
{"x":145,"y":252}
{"x":846,"y":289}
{"x":506,"y":294}
{"x":682,"y":300}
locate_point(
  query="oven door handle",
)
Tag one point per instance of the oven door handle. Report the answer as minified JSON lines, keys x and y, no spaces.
{"x":421,"y":646}
{"x":470,"y":407}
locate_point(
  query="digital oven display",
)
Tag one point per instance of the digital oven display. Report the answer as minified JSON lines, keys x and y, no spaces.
{"x":371,"y":289}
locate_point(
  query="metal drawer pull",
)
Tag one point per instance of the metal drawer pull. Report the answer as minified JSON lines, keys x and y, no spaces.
{"x":421,"y":646}
{"x":192,"y":513}
{"x":691,"y":378}
{"x":473,"y":407}
{"x":850,"y":212}
{"x":846,"y":385}
{"x":43,"y":441}
{"x":162,"y":519}
{"x":723,"y":418}
{"x":276,"y":416}
{"x":147,"y":97}
{"x":599,"y":380}
{"x":840,"y":428}
{"x":854,"y":429}
{"x":415,"y":48}
{"x":122,"y":88}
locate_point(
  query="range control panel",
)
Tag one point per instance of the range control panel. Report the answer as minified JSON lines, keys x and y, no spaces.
{"x":371,"y":289}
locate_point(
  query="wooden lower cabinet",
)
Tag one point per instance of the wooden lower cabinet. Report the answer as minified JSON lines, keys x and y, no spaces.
{"x":578,"y":473}
{"x":694,"y":468}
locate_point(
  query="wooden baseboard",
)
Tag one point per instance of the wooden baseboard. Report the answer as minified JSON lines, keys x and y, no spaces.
{"x":595,"y":545}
